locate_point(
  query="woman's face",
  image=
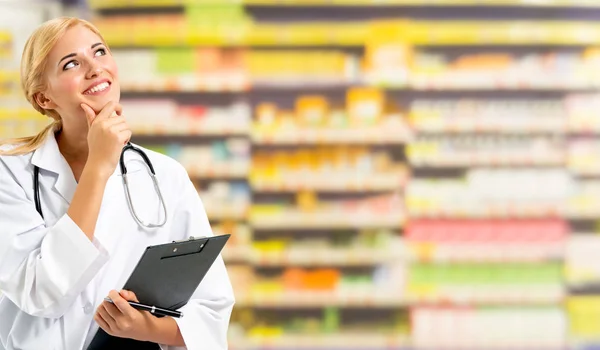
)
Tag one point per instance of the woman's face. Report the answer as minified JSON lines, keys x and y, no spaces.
{"x":80,"y":69}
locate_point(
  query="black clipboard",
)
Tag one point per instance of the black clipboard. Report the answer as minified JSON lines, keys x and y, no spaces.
{"x":166,"y":276}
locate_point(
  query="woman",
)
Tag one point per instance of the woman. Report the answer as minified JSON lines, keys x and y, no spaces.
{"x":58,"y":263}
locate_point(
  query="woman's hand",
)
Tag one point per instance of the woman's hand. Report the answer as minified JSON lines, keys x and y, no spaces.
{"x":120,"y":319}
{"x":108,"y":133}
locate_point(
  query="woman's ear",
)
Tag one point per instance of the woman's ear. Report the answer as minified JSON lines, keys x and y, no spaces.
{"x":43,"y":101}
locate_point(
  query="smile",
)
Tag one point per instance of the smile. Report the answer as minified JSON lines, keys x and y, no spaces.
{"x":98,"y":88}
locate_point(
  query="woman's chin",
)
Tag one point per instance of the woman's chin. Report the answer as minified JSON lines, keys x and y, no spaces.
{"x":98,"y":102}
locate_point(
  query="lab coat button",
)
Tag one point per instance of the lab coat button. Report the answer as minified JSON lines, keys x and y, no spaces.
{"x":88,"y":308}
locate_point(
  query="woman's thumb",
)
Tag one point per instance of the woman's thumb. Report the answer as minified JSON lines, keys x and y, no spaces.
{"x":89,"y":113}
{"x":129,"y":295}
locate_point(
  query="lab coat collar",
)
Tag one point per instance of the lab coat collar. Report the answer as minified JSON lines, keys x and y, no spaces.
{"x":49,"y":158}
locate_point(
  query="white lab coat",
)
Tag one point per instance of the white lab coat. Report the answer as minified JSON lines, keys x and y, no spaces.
{"x":52,"y":277}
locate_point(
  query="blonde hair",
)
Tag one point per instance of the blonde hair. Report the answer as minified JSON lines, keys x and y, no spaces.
{"x":33,"y":69}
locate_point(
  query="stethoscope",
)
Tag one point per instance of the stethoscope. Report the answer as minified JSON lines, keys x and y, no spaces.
{"x":129,"y":146}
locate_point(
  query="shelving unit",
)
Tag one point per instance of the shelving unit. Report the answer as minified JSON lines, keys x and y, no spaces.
{"x":394,"y":163}
{"x":116,"y":4}
{"x":17,"y":118}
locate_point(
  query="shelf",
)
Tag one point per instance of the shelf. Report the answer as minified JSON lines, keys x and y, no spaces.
{"x":324,"y":219}
{"x":437,"y":84}
{"x":590,"y":130}
{"x":261,"y":35}
{"x":226,"y":213}
{"x":501,"y":32}
{"x":332,"y":182}
{"x":446,"y":33}
{"x":358,"y":341}
{"x":375,"y":135}
{"x":155,"y":133}
{"x":591,"y":215}
{"x":557,"y":161}
{"x":585,"y":173}
{"x":283,"y":88}
{"x":458,"y":130}
{"x":312,"y":257}
{"x":183,"y":84}
{"x":521,"y":298}
{"x":525,"y":131}
{"x":237,"y":253}
{"x":491,"y":252}
{"x":219,"y":171}
{"x":316,"y":299}
{"x":507,"y":212}
{"x":119,"y":4}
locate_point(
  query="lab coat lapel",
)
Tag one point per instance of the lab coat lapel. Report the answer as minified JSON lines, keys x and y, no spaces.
{"x":49,"y":158}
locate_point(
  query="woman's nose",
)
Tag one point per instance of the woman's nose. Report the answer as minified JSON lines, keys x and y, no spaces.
{"x":94,"y":71}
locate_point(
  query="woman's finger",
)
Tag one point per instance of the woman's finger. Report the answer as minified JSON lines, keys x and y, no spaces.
{"x":123,"y":305}
{"x":120,"y":126}
{"x":114,"y":121}
{"x":125,"y":135}
{"x":106,"y":316}
{"x":129,"y":295}
{"x":112,"y":310}
{"x":108,"y":110}
{"x":102,"y":323}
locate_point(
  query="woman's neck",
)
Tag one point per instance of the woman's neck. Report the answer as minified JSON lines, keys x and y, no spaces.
{"x":74,"y":148}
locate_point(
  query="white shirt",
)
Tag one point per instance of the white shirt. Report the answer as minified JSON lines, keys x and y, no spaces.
{"x":52,"y":277}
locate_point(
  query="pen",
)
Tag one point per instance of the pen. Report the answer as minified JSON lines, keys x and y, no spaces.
{"x":152,"y":309}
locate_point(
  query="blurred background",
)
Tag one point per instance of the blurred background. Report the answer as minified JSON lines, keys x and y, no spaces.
{"x":395,"y":174}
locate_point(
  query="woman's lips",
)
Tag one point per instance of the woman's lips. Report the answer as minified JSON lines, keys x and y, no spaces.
{"x":99,"y":89}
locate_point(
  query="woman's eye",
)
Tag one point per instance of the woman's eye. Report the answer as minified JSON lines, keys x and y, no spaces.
{"x":100,"y":52}
{"x":70,"y":65}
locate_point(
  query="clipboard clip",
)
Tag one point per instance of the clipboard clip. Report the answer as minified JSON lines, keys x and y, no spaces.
{"x":192,"y":238}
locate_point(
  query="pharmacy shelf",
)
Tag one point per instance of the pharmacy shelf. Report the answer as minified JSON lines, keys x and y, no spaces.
{"x":329,"y":182}
{"x":491,"y":161}
{"x":370,"y":299}
{"x":583,"y":174}
{"x":339,"y":341}
{"x":324,"y":219}
{"x":318,"y":299}
{"x":260,"y":35}
{"x":430,"y":87}
{"x":119,"y":4}
{"x":424,"y":33}
{"x":227,"y":213}
{"x":489,"y":252}
{"x":374,"y":135}
{"x":189,"y":83}
{"x":312,"y":257}
{"x":592,"y":129}
{"x":275,"y":220}
{"x":155,"y":132}
{"x":219,"y":171}
{"x":592,"y":214}
{"x":496,"y":84}
{"x":521,"y":296}
{"x":584,"y":288}
{"x":508,"y":211}
{"x":183,"y":85}
{"x":458,"y":130}
{"x":238,"y":253}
